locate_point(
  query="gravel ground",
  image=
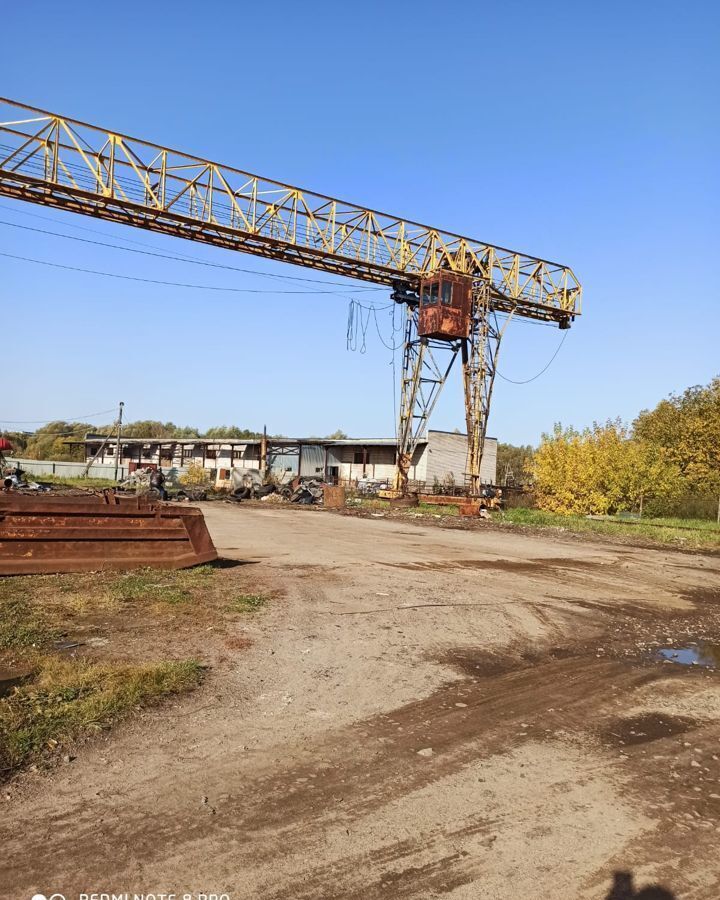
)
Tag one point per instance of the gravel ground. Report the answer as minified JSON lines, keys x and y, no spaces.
{"x":421,"y":712}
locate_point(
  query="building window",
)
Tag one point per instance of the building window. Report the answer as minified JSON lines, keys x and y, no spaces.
{"x":188,"y":453}
{"x":359,"y":457}
{"x":210,"y":454}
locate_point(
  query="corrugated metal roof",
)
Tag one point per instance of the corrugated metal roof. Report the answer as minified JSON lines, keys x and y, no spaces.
{"x":226,"y":442}
{"x":365,"y":442}
{"x":459,"y":433}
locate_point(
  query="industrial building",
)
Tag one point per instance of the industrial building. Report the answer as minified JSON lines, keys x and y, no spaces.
{"x":439,"y":458}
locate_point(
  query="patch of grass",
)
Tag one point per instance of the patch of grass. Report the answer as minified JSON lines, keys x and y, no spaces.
{"x":681,"y":532}
{"x":21,"y":624}
{"x":135,"y":585}
{"x":376,"y":504}
{"x":199,"y":572}
{"x":438,"y":509}
{"x":171,"y":587}
{"x":673,"y":522}
{"x":248,"y":602}
{"x":72,"y":689}
{"x":69,"y":698}
{"x":78,"y":482}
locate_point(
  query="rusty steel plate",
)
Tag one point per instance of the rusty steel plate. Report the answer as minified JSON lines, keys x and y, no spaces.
{"x":442,"y":499}
{"x":49,"y":534}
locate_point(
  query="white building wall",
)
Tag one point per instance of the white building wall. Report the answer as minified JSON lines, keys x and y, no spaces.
{"x":380,"y":462}
{"x":446,"y":456}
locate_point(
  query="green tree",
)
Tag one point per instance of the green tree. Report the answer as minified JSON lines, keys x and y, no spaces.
{"x":149,"y":428}
{"x":231,"y":432}
{"x":514,"y":462}
{"x":51,"y":441}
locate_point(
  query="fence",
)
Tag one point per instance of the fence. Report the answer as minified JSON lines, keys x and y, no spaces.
{"x":684,"y":508}
{"x":65,"y":469}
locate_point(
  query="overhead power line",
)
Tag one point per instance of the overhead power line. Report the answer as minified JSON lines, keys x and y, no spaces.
{"x":186,"y":259}
{"x":542,"y":371}
{"x":199,"y":287}
{"x":103,"y":412}
{"x":44,"y":434}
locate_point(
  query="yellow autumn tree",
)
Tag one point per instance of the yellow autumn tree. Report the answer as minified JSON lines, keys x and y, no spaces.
{"x":601,"y":470}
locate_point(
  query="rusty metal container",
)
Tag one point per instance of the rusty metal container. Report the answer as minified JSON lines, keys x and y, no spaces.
{"x":334,"y":496}
{"x":98,"y":531}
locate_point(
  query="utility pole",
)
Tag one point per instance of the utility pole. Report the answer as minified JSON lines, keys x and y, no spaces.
{"x":117,"y":445}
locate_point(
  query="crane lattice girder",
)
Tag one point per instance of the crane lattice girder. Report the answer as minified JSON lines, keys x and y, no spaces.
{"x":60,"y":162}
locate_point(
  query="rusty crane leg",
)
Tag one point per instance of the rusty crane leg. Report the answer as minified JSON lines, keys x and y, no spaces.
{"x":421,"y":381}
{"x":479,"y":361}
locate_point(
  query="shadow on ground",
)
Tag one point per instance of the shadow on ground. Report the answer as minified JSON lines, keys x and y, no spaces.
{"x":623,"y":888}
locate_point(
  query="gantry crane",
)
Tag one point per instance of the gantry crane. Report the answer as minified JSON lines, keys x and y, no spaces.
{"x":459,"y":293}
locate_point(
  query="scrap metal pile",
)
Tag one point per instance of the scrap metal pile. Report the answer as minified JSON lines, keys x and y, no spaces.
{"x":248,"y":484}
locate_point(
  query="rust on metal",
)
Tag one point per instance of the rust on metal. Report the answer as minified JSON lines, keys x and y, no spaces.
{"x":445,"y":306}
{"x":98,"y":531}
{"x":405,"y":501}
{"x":334,"y":496}
{"x":442,"y":499}
{"x":470,"y":507}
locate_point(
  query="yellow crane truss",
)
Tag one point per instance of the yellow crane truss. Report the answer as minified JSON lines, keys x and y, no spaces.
{"x":59,"y":162}
{"x":56,"y":161}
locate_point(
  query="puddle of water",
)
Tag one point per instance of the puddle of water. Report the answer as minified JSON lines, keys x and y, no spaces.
{"x":692,"y":654}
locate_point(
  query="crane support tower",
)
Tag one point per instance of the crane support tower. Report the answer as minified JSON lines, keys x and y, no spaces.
{"x":459,"y":293}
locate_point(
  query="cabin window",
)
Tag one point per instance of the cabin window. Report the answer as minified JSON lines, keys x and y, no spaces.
{"x":430,"y":294}
{"x":447,"y":292}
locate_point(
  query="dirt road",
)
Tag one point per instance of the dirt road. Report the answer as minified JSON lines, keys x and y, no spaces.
{"x":423,"y":712}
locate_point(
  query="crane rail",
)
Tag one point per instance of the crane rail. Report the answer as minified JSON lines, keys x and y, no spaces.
{"x":55,"y":161}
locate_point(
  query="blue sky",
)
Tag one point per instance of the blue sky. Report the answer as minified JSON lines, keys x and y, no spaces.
{"x":584,"y":133}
